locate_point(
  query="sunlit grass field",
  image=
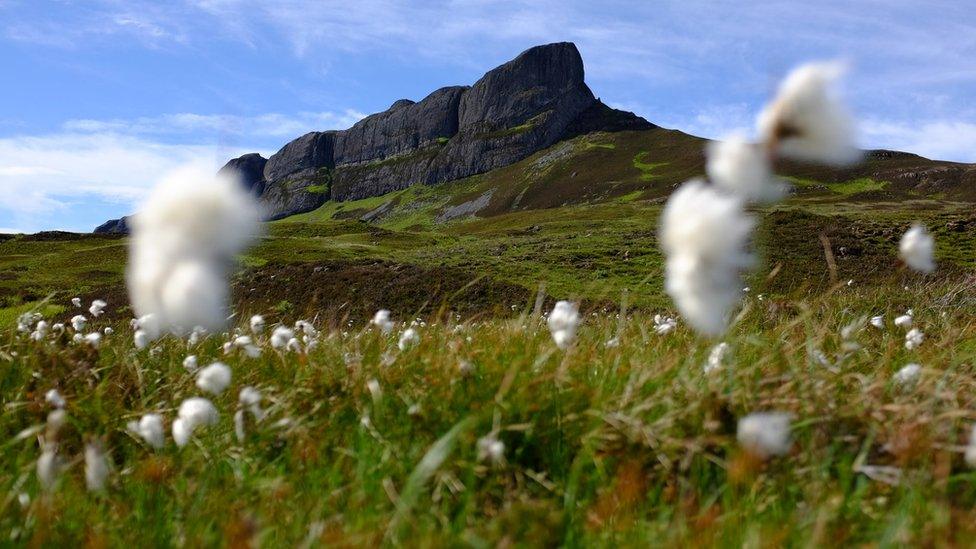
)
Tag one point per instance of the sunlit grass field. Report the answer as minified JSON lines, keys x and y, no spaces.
{"x":628,"y":444}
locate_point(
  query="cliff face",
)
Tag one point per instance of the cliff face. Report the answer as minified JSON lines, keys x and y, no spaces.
{"x":514,"y":110}
{"x":510,"y":113}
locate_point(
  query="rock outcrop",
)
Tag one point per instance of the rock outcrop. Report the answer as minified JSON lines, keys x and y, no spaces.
{"x":514,"y":110}
{"x":114,"y":226}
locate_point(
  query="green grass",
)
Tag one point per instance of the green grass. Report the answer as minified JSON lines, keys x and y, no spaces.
{"x":646,"y":168}
{"x":631,"y":445}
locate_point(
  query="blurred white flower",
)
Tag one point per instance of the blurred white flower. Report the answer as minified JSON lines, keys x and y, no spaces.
{"x":704,"y":234}
{"x":382,"y":321}
{"x":190,"y":363}
{"x":54,"y":398}
{"x":716,"y":357}
{"x":194,"y":412}
{"x":40,"y":331}
{"x":913,"y":339}
{"x":150,"y":429}
{"x":904,"y":321}
{"x":141,"y":339}
{"x":465,"y":367}
{"x":878,"y":321}
{"x":664,"y":325}
{"x":765,"y":434}
{"x":96,"y":467}
{"x":293,"y":345}
{"x":55,"y":420}
{"x":97,"y":307}
{"x":562,"y":322}
{"x":184,"y":243}
{"x":373,"y":386}
{"x":76,"y":301}
{"x":917,"y":248}
{"x":257,"y":324}
{"x":743,"y":169}
{"x":78,"y":322}
{"x":48,"y":466}
{"x":250,"y":399}
{"x":908,"y":375}
{"x":281,"y":336}
{"x":108,"y":331}
{"x":246,"y":344}
{"x":408,"y":339}
{"x":94,"y":339}
{"x":807,"y":121}
{"x":971,"y":449}
{"x":491,"y":449}
{"x":214,"y":378}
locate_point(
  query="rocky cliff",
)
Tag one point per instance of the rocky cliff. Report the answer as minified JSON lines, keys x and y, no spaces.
{"x":514,"y":110}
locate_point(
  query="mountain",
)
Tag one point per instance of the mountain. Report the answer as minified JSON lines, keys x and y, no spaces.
{"x":535,"y":102}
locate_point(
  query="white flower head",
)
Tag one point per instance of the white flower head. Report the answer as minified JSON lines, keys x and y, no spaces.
{"x":76,"y":301}
{"x":765,"y":434}
{"x":908,"y":375}
{"x":250,"y":399}
{"x":183,"y":246}
{"x":140,"y":339}
{"x":970,"y":454}
{"x":705,"y":234}
{"x":97,"y":307}
{"x":563,"y":322}
{"x":194,"y":412}
{"x":664,"y":325}
{"x":94,"y":339}
{"x":382,"y":321}
{"x":257,"y":324}
{"x":214,"y":379}
{"x":807,"y":121}
{"x":913,"y":339}
{"x":491,"y":449}
{"x":96,"y":467}
{"x":48,"y":466}
{"x":716,"y":357}
{"x":917,"y":249}
{"x":54,"y":398}
{"x":744,"y":169}
{"x":190,"y":363}
{"x":78,"y":322}
{"x":281,"y":336}
{"x":904,"y":321}
{"x":150,"y":429}
{"x":878,"y":321}
{"x":408,"y":339}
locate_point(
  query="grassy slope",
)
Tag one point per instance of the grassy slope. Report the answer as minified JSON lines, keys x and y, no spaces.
{"x":630,"y":446}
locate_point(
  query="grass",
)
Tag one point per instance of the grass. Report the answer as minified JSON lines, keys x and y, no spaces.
{"x":604,"y":446}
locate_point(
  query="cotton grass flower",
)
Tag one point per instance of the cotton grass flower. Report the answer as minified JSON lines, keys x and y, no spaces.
{"x":716,"y":358}
{"x":54,"y":398}
{"x":280,"y":337}
{"x":214,"y":379}
{"x":743,"y":169}
{"x":183,"y":245}
{"x":904,"y":321}
{"x":970,"y":454}
{"x":190,"y":364}
{"x":97,"y":307}
{"x":562,"y":322}
{"x":807,"y":121}
{"x":193,"y":413}
{"x":907,"y":375}
{"x":664,"y":325}
{"x":94,"y":339}
{"x":878,"y":321}
{"x":704,"y":234}
{"x":76,"y":301}
{"x":78,"y":322}
{"x":917,"y":248}
{"x":382,"y":321}
{"x":765,"y":434}
{"x":48,"y":466}
{"x":96,"y":467}
{"x":257,"y":324}
{"x":491,"y":449}
{"x":408,"y":339}
{"x":913,"y":339}
{"x":150,"y":429}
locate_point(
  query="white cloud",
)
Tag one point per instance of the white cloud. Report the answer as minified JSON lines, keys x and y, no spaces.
{"x":41,"y":174}
{"x":940,"y":139}
{"x":259,"y":127}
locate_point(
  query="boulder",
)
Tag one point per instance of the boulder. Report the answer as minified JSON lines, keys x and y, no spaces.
{"x":249,"y":171}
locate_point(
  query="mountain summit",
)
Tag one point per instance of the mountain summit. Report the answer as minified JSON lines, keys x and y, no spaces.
{"x":513,"y":111}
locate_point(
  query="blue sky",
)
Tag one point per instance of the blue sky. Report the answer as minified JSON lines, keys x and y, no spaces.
{"x":100,"y":98}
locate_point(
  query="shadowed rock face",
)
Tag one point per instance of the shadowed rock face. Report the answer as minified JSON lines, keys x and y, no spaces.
{"x":510,"y":113}
{"x":513,"y":111}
